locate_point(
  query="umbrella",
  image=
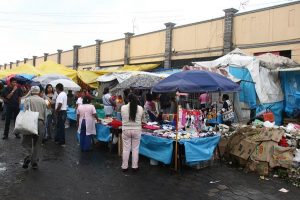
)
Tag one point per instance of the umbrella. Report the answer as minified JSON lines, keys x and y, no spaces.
{"x":193,"y":81}
{"x":141,"y":81}
{"x":68,"y":84}
{"x":46,"y":79}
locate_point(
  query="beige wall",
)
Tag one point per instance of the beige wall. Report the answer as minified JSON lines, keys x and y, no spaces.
{"x":198,"y":37}
{"x":52,"y":57}
{"x":272,"y":29}
{"x":67,"y":58}
{"x":150,"y":45}
{"x":39,"y":61}
{"x":112,"y":53}
{"x":29,"y":61}
{"x":273,"y":25}
{"x":14,"y":65}
{"x":87,"y":55}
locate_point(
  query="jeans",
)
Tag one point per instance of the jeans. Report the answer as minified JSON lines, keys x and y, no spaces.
{"x":10,"y":111}
{"x":48,"y":128}
{"x":60,"y":126}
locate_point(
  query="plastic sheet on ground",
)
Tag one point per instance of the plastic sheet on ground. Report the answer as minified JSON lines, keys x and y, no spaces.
{"x":159,"y":149}
{"x":200,"y":149}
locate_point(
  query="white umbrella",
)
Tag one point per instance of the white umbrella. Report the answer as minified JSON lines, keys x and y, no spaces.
{"x":68,"y":84}
{"x":46,"y":79}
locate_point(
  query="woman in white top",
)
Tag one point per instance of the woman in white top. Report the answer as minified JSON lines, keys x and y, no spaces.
{"x":86,"y":116}
{"x":132,"y":115}
{"x":108,"y":102}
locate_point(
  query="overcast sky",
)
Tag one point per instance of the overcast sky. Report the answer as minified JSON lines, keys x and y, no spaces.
{"x":34,"y":27}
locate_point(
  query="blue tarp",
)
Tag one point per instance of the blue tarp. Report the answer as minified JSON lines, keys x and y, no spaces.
{"x":247,"y":93}
{"x":276,"y":108}
{"x":159,"y":149}
{"x":71,"y":114}
{"x":103,"y":133}
{"x":290,"y":82}
{"x":200,"y":149}
{"x":195,"y":81}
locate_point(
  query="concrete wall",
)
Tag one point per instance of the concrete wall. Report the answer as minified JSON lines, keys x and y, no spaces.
{"x":67,"y":58}
{"x":148,"y":47}
{"x":39,"y":60}
{"x":270,"y":29}
{"x":112,"y":53}
{"x":198,"y":40}
{"x":52,"y":57}
{"x":87,"y":55}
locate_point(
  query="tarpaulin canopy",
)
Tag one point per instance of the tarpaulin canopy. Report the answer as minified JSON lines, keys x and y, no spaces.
{"x":267,"y":84}
{"x":89,"y":77}
{"x":195,"y":81}
{"x":128,"y":68}
{"x":23,"y":69}
{"x":50,"y":67}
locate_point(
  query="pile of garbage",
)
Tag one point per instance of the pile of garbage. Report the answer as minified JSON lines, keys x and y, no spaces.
{"x":264,"y":147}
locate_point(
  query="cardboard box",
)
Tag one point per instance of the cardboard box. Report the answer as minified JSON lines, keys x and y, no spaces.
{"x":264,"y":151}
{"x":262,"y":168}
{"x":244,"y":149}
{"x":282,"y":157}
{"x":269,"y":135}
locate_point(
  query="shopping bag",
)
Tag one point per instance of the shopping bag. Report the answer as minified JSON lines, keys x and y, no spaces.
{"x":228,"y":116}
{"x":27,"y":122}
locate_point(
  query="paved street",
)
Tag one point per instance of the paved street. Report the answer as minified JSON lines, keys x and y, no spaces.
{"x":67,"y":173}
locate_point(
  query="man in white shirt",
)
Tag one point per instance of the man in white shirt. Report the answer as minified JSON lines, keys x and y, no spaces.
{"x":61,"y":112}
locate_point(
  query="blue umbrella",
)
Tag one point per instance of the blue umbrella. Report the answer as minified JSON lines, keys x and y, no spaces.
{"x":22,"y":80}
{"x":194,"y":81}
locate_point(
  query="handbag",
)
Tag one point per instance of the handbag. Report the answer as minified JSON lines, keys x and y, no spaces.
{"x":27,"y":122}
{"x":228,"y":116}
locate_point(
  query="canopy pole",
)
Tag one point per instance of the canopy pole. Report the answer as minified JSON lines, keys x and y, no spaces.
{"x":176,"y":143}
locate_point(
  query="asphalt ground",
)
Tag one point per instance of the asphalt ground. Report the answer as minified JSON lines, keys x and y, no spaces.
{"x":66,"y":173}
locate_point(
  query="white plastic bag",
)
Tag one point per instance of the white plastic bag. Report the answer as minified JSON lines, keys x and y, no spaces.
{"x":27,"y":122}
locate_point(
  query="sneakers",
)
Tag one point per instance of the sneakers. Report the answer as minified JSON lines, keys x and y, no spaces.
{"x":26,"y":162}
{"x":5,"y":137}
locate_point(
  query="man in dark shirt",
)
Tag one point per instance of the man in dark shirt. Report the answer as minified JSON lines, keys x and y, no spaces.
{"x":12,"y":97}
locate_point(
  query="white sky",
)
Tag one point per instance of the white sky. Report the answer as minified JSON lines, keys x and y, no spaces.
{"x":35,"y":27}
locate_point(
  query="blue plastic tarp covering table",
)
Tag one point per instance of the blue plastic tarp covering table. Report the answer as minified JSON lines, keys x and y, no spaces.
{"x":200,"y":149}
{"x":71,"y":114}
{"x":157,"y":148}
{"x":103,"y":133}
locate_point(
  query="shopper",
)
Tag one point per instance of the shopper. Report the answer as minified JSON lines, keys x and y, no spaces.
{"x":131,"y":131}
{"x":32,"y":143}
{"x":108,"y":102}
{"x":204,"y":99}
{"x":86,"y":115}
{"x":49,"y":93}
{"x":61,"y":114}
{"x":12,"y":98}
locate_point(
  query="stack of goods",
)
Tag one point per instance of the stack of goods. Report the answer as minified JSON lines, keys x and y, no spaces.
{"x":263,"y":147}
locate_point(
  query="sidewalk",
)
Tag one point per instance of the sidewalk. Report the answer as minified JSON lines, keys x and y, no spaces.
{"x":68,"y":174}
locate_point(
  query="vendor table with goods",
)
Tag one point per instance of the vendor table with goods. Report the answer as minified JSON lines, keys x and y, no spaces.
{"x":157,"y":142}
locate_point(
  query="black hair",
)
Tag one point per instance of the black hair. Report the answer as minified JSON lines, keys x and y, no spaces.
{"x":41,"y":88}
{"x":225,"y":96}
{"x":132,"y":106}
{"x":149,"y":97}
{"x":59,"y":87}
{"x":46,"y":88}
{"x":106,"y":90}
{"x":12,"y":79}
{"x":86,"y":100}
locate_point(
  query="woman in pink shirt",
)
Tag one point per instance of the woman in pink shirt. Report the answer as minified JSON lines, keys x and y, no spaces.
{"x":204,"y":99}
{"x":86,"y":117}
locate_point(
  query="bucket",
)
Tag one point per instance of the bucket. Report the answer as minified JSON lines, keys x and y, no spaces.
{"x":268,"y":116}
{"x":153,"y":162}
